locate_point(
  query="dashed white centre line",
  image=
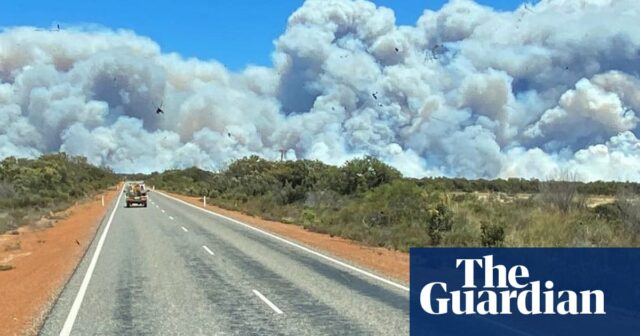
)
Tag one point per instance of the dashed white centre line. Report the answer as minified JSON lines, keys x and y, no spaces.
{"x":207,"y":249}
{"x":269,"y":303}
{"x":162,"y":210}
{"x":184,"y":229}
{"x":171,"y":218}
{"x":157,"y":206}
{"x":296,"y":245}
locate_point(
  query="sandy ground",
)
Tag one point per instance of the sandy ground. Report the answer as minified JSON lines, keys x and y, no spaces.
{"x":591,"y":201}
{"x":595,"y":201}
{"x":391,"y":263}
{"x":42,"y":261}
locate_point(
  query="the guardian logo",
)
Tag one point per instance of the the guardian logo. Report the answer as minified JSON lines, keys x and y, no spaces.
{"x":506,"y":291}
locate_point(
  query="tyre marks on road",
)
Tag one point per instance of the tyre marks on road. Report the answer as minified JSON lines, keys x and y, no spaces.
{"x":249,"y":269}
{"x":223,"y":294}
{"x":131,"y":295}
{"x":300,"y":304}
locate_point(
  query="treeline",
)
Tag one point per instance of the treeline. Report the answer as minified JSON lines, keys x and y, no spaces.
{"x":30,"y":187}
{"x":517,"y":185}
{"x":369,"y":201}
{"x":286,"y":182}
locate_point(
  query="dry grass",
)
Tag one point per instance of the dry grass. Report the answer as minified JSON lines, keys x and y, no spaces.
{"x":13,"y":246}
{"x":5,"y":267}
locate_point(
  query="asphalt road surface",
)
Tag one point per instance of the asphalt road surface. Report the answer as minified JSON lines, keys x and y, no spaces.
{"x":174,"y":269}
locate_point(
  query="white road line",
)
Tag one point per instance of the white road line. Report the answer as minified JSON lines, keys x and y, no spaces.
{"x":157,"y":206}
{"x":333,"y":260}
{"x":162,"y":210}
{"x":171,"y":218}
{"x":184,"y":229}
{"x":269,"y":303}
{"x":207,"y":249}
{"x":75,"y":308}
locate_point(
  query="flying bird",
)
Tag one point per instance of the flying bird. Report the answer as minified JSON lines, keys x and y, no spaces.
{"x":375,"y":95}
{"x":397,"y":50}
{"x":77,"y":242}
{"x":434,"y":51}
{"x":159,"y":110}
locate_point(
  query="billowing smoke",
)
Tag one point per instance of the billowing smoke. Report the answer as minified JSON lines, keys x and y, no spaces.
{"x":467,"y":91}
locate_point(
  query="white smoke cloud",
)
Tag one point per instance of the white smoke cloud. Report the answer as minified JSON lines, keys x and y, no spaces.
{"x":467,"y":91}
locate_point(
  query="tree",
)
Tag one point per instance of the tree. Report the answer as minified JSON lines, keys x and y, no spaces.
{"x":360,"y":175}
{"x":629,"y":205}
{"x":560,"y":189}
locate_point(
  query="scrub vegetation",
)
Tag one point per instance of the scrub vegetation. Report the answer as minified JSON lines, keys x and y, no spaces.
{"x":32,"y":188}
{"x":364,"y":200}
{"x":369,"y":201}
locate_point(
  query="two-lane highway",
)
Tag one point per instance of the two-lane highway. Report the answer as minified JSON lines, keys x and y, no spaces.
{"x":174,"y":269}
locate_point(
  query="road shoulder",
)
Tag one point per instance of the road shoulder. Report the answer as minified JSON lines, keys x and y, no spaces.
{"x":43,"y":261}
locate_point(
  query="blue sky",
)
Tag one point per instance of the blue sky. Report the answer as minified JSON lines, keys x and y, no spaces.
{"x":234,"y":32}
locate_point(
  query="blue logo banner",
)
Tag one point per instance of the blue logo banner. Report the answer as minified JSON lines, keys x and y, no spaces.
{"x":525,"y":291}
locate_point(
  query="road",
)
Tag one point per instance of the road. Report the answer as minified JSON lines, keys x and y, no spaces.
{"x":174,"y":269}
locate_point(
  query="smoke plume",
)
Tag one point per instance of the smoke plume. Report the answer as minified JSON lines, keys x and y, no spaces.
{"x":466,"y":91}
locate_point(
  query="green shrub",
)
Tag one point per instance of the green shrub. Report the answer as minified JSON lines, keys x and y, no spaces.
{"x":440,"y":222}
{"x":49,"y":182}
{"x":308,"y":217}
{"x":492,"y":234}
{"x":609,"y":211}
{"x":463,"y":232}
{"x":369,"y":201}
{"x":360,"y":175}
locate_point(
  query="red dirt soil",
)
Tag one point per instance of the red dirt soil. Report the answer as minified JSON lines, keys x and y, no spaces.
{"x":43,"y":261}
{"x":391,"y":263}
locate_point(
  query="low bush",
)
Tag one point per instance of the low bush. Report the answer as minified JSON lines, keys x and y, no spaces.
{"x":48,"y":183}
{"x":492,"y":234}
{"x":369,"y":201}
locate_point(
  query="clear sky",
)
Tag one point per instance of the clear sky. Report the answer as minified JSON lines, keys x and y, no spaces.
{"x":234,"y":32}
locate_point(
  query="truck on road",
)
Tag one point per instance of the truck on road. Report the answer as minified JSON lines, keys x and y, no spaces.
{"x":136,"y":194}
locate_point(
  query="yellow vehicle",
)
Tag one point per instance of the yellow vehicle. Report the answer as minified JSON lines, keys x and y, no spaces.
{"x":136,"y":194}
